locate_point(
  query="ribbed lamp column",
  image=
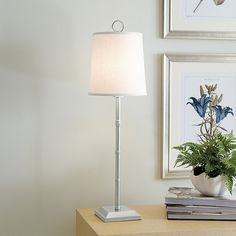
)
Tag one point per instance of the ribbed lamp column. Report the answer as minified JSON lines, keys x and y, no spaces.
{"x":117,"y":69}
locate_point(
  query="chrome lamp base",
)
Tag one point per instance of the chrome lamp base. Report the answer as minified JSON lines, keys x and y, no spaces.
{"x":108,"y":214}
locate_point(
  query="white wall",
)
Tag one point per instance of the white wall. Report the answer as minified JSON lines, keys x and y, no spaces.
{"x":56,"y":142}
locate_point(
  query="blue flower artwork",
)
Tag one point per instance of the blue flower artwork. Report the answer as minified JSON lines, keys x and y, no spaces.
{"x":221,"y":113}
{"x":200,"y":105}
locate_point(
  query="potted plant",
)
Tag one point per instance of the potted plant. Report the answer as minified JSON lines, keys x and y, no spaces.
{"x":213,"y":157}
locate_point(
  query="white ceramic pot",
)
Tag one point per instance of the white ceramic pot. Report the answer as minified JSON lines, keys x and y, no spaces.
{"x":211,"y":187}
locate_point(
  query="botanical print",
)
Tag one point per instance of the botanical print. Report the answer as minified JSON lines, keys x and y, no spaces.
{"x":191,"y":83}
{"x":209,"y":109}
{"x":187,"y":116}
{"x":218,"y":9}
{"x":217,"y":2}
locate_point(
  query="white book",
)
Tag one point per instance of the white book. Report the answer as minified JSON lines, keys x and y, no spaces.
{"x":191,"y":197}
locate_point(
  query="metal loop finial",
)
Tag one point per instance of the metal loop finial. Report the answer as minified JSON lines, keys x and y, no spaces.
{"x":120,"y":23}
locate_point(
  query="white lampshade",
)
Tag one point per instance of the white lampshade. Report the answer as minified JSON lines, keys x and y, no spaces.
{"x":117,"y":66}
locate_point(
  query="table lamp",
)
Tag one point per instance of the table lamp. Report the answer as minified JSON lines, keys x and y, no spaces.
{"x":117,"y":69}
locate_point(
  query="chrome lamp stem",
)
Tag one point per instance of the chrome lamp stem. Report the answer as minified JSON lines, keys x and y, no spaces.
{"x":117,"y":212}
{"x":117,"y":155}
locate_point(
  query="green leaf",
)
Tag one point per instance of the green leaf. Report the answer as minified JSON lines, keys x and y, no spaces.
{"x":230,"y":183}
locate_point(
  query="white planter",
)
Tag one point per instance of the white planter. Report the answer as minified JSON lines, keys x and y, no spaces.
{"x":212,"y":187}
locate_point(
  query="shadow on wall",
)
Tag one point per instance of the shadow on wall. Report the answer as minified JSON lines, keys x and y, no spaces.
{"x":37,"y":43}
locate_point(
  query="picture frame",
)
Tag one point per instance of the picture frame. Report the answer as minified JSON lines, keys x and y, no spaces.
{"x":211,"y":21}
{"x":182,"y":76}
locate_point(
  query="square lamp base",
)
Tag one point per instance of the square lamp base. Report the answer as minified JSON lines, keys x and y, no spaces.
{"x":108,"y":214}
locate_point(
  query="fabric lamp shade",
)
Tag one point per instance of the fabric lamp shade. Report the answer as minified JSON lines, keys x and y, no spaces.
{"x":117,"y":64}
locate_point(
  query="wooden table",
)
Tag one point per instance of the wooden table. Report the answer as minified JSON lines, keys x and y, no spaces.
{"x":154,"y":223}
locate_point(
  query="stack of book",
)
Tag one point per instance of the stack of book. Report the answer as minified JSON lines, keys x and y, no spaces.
{"x":189,"y":204}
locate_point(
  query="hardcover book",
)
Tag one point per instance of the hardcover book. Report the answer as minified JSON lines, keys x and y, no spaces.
{"x":200,"y":216}
{"x":200,"y":209}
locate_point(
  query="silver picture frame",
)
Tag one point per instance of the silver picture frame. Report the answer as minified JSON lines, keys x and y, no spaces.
{"x":169,"y":31}
{"x":168,"y":75}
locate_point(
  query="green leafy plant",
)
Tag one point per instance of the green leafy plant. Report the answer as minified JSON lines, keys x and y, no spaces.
{"x":215,"y":153}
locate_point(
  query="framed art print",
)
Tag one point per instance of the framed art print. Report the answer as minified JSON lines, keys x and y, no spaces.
{"x":200,"y":19}
{"x":182,"y":77}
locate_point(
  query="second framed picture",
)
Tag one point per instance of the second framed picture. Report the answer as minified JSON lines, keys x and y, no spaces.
{"x":200,"y":19}
{"x":186,"y":78}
